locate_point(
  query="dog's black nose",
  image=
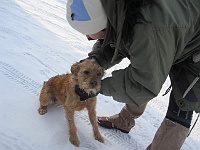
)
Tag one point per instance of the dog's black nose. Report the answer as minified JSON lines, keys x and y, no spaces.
{"x":93,"y":84}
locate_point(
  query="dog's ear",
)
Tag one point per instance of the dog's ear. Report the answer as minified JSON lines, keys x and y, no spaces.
{"x":75,"y":68}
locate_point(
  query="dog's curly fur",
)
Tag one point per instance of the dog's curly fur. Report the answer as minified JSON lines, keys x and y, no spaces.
{"x":61,"y":88}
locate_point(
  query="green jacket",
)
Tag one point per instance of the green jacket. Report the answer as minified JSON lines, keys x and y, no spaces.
{"x":171,"y":34}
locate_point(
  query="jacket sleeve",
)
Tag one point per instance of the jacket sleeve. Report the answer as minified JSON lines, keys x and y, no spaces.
{"x":150,"y":65}
{"x":104,"y":55}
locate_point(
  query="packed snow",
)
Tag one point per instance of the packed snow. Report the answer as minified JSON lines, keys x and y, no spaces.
{"x":36,"y":43}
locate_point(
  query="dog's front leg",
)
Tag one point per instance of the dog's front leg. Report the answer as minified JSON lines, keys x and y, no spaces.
{"x":73,"y":138}
{"x":93,"y":120}
{"x":44,"y":100}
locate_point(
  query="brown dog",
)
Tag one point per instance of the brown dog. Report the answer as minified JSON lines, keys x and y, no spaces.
{"x":87,"y":75}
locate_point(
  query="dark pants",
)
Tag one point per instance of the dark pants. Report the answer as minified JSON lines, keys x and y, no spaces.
{"x":174,"y":113}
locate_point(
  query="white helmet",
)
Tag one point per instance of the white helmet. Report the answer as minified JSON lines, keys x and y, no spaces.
{"x":86,"y":16}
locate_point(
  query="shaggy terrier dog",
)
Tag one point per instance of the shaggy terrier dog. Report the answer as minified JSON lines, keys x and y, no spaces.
{"x":85,"y":78}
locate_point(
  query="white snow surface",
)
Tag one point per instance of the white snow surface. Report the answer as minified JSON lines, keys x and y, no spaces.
{"x":36,"y":43}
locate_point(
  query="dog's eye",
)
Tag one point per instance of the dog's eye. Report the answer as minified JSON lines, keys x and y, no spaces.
{"x":86,"y":72}
{"x":99,"y":74}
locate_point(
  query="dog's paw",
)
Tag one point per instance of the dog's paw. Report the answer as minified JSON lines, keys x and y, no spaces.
{"x":42,"y":111}
{"x":99,"y":138}
{"x":75,"y":141}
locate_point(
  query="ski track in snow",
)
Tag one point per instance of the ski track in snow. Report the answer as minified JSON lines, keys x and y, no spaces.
{"x":19,"y":78}
{"x":12,"y":140}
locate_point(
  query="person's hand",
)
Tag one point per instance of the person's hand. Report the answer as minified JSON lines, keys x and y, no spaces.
{"x":83,"y":95}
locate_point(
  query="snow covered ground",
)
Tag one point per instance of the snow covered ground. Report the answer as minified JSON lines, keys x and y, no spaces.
{"x":37,"y":43}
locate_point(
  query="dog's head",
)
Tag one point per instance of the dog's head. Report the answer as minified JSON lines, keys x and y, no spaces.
{"x":88,"y":74}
